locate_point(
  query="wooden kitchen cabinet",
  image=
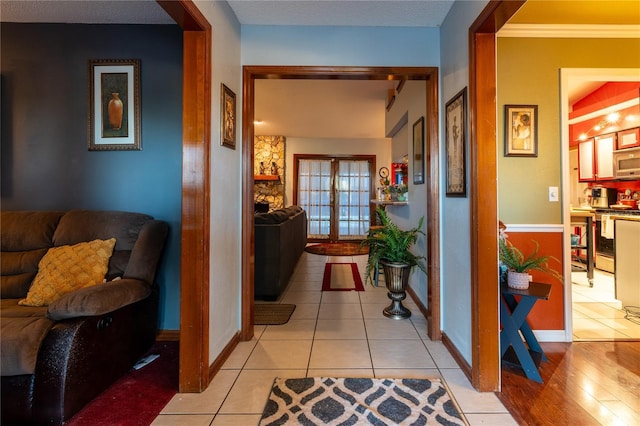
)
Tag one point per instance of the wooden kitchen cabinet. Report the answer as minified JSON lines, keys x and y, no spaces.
{"x":595,"y":158}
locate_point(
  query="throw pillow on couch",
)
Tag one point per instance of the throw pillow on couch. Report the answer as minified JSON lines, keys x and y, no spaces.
{"x":68,"y":268}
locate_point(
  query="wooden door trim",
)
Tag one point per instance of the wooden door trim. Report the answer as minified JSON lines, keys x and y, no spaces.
{"x":195,"y":221}
{"x":485,"y":296}
{"x":430,"y":75}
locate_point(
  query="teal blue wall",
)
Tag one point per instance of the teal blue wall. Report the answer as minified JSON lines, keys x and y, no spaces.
{"x":45,"y":161}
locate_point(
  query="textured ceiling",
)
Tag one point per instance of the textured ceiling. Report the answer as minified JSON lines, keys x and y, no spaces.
{"x":388,"y":13}
{"x":378,"y":13}
{"x":84,"y":12}
{"x":579,"y":12}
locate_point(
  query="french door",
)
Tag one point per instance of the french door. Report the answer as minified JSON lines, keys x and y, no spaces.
{"x":336,"y":193}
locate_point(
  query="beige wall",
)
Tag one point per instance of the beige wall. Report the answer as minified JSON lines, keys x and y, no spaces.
{"x":529,"y":73}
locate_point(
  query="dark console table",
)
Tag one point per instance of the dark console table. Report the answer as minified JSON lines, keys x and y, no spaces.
{"x":513,"y":316}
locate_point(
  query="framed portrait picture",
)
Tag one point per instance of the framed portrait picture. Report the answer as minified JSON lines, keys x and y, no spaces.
{"x":455,"y":144}
{"x":521,"y":130}
{"x":114,"y":105}
{"x":418,"y":151}
{"x":228,"y":118}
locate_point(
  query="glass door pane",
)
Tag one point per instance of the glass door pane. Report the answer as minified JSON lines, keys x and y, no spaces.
{"x":336,"y":194}
{"x":314,"y":195}
{"x":353,"y":187}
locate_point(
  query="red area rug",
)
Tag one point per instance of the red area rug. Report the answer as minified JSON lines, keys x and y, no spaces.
{"x":337,"y":249}
{"x":341,"y":277}
{"x":137,"y":398}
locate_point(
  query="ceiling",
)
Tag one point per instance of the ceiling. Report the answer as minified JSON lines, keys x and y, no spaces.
{"x":385,"y":13}
{"x":359,"y":104}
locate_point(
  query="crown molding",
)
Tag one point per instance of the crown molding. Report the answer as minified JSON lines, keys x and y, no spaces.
{"x":569,"y":31}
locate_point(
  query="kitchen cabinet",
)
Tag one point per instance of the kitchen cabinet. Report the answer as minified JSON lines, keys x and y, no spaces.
{"x":595,"y":158}
{"x":627,"y":255}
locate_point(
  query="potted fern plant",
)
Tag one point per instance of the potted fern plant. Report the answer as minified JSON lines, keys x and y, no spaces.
{"x":518,"y":265}
{"x":390,"y":246}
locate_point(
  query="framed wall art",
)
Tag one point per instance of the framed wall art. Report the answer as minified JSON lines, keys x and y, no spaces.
{"x":455,"y":145}
{"x":228,"y":117}
{"x":418,"y":151}
{"x":114,"y":105}
{"x":521,"y":130}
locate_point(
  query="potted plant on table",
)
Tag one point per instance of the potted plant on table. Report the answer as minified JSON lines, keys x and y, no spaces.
{"x":399,"y":191}
{"x":518,"y":265}
{"x":389,"y":246}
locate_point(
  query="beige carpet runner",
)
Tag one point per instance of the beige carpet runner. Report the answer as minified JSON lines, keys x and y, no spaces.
{"x":341,"y":277}
{"x":362,"y":401}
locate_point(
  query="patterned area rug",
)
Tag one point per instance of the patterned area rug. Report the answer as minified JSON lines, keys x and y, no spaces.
{"x":332,"y":401}
{"x":341,"y":277}
{"x":337,"y":249}
{"x":272,"y":313}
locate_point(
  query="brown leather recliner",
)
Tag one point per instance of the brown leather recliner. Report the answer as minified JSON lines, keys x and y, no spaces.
{"x":58,"y":357}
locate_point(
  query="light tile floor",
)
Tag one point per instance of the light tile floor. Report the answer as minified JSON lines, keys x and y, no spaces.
{"x":341,"y":334}
{"x":597,"y":315}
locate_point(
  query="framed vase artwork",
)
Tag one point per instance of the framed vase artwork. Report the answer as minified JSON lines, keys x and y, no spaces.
{"x":228,"y":117}
{"x":455,"y":144}
{"x":114,"y":105}
{"x":521,"y":130}
{"x":418,"y":151}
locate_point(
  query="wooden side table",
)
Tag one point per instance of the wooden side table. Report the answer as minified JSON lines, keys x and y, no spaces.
{"x":513,"y":316}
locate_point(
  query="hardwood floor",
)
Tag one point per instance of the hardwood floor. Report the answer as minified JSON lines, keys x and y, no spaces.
{"x":585,"y":383}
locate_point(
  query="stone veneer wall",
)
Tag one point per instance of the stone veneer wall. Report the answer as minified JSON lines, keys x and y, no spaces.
{"x":269,"y":150}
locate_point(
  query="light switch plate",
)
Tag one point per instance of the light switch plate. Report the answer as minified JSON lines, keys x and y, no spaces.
{"x":553,"y":194}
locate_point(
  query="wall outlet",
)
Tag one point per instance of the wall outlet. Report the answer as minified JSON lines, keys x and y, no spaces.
{"x":553,"y":194}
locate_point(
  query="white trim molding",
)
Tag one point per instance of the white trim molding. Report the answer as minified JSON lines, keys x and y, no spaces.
{"x":569,"y":31}
{"x":534,"y":228}
{"x":552,"y":336}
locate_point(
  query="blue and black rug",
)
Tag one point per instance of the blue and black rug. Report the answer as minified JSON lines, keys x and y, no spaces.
{"x":334,"y":401}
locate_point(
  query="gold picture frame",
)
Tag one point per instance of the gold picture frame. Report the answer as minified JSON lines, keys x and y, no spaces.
{"x":521,"y":130}
{"x":114,"y":105}
{"x":227,"y":117}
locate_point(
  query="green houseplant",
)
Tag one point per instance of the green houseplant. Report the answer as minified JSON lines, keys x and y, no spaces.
{"x":517,"y":263}
{"x":390,"y":246}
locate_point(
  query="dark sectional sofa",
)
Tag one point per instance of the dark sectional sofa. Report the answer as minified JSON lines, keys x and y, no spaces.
{"x":56,"y":358}
{"x":280,"y":239}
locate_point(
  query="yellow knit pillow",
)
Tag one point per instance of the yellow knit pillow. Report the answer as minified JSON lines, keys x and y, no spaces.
{"x":67,"y":268}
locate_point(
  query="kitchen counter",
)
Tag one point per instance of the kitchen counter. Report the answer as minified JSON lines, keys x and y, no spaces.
{"x":582,"y":213}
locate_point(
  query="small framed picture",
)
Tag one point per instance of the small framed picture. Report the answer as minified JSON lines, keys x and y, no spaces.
{"x":628,"y":138}
{"x":455,"y":135}
{"x":228,"y":118}
{"x":521,"y":130}
{"x":114,"y":105}
{"x":418,"y":151}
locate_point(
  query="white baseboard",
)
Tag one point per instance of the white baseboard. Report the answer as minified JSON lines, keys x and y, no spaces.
{"x":552,"y":336}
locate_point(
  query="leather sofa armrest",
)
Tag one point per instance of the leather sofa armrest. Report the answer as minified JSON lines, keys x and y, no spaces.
{"x":99,"y":299}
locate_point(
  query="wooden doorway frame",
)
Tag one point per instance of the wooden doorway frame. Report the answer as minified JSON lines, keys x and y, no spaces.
{"x":485,"y":296}
{"x":432,"y":188}
{"x":195,"y":227}
{"x":194,"y":328}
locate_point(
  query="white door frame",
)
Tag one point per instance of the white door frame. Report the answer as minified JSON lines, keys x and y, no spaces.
{"x":568,"y":77}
